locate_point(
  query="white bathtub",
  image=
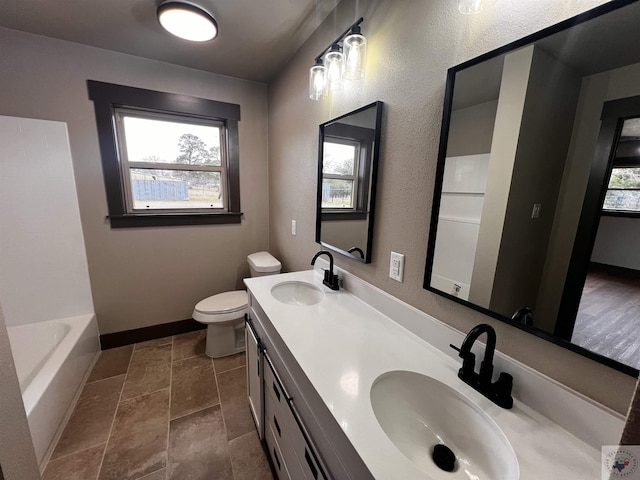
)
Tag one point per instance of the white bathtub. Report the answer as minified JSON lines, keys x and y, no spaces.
{"x":52,"y":361}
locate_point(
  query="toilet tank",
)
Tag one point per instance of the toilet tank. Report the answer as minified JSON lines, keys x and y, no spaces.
{"x":263,"y":263}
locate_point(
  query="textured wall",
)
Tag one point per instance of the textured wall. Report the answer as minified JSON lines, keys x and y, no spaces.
{"x":143,"y":276}
{"x":17,"y":456}
{"x":411,"y":45}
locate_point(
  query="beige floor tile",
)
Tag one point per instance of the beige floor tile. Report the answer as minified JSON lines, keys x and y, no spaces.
{"x":224,"y":364}
{"x":91,"y":420}
{"x":248,"y":459}
{"x":138,"y":442}
{"x":158,"y":342}
{"x":150,"y":370}
{"x":158,"y":475}
{"x":83,"y":465}
{"x":112,"y":362}
{"x":193,"y":386}
{"x":189,"y":345}
{"x":198,"y":447}
{"x":232,"y":387}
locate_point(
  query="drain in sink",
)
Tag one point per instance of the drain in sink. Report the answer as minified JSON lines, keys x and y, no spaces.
{"x":444,"y":458}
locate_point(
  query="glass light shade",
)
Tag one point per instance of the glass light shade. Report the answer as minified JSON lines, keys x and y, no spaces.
{"x":317,"y":81}
{"x":469,"y":7}
{"x":187,"y":21}
{"x":334,"y":61}
{"x":355,"y":56}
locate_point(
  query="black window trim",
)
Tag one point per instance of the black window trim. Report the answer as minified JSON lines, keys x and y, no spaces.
{"x":107,"y":96}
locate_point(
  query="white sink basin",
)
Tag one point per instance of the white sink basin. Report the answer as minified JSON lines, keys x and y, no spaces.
{"x":297,"y":293}
{"x":418,"y":412}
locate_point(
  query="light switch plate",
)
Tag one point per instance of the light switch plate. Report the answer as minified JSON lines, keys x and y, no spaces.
{"x":294,"y":227}
{"x":396,"y":266}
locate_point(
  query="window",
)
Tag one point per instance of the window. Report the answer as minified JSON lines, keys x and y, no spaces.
{"x":346,"y":171}
{"x":623,"y":191}
{"x":167,"y":159}
{"x":340,"y":173}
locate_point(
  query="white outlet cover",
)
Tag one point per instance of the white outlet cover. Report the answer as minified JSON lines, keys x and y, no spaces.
{"x":396,"y":266}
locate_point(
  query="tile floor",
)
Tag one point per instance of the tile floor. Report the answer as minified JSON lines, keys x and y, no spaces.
{"x":161,"y":410}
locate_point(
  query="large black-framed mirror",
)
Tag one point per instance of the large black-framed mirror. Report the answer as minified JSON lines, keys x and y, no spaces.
{"x":536,"y":207}
{"x":348,"y":151}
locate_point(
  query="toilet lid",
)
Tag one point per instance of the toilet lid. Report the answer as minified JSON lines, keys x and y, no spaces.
{"x":226,"y":302}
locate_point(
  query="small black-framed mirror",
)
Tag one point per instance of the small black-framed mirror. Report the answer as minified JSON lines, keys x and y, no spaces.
{"x":348,"y":151}
{"x":532,"y":157}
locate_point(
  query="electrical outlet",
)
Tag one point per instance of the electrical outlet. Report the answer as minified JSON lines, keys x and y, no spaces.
{"x":396,"y":266}
{"x":294,"y":227}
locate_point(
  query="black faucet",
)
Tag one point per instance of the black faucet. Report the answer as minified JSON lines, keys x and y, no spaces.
{"x":499,"y":392}
{"x":330,"y":280}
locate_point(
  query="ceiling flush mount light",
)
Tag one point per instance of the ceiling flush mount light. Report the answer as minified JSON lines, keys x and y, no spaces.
{"x":344,"y":59}
{"x":187,"y":21}
{"x":469,"y":7}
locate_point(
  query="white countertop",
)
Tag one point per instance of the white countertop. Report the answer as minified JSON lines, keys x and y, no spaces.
{"x":342,"y":345}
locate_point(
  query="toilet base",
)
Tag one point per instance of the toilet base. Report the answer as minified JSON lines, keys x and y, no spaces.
{"x":224,"y":340}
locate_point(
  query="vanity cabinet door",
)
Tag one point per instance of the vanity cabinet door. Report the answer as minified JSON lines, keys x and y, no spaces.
{"x":286,"y":429}
{"x":254,"y":375}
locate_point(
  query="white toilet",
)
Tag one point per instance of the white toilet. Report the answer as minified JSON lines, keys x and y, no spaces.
{"x":224,"y":313}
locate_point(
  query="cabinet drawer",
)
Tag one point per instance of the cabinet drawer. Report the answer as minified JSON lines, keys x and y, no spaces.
{"x":280,"y":414}
{"x":306,"y":457}
{"x":276,"y":455}
{"x":273,"y":386}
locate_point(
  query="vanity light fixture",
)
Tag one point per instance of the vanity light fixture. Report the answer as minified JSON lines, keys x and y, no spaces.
{"x":469,"y":7}
{"x":344,"y":59}
{"x":334,"y":60}
{"x":187,"y":21}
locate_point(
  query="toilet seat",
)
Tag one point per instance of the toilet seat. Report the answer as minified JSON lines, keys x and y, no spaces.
{"x":221,"y":307}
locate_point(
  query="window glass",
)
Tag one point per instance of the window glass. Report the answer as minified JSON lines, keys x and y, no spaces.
{"x":172,"y":163}
{"x":156,"y":140}
{"x":337,"y":193}
{"x":339,"y":159}
{"x":339,"y":174}
{"x":175,"y":189}
{"x":623,"y":192}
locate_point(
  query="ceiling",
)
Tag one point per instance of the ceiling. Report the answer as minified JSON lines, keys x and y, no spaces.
{"x":588,"y":48}
{"x":256,"y":37}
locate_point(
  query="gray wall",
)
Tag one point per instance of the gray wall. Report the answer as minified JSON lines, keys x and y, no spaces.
{"x":544,"y":136}
{"x":145,"y":276}
{"x":596,"y":89}
{"x":471,"y":129}
{"x":617,"y":242}
{"x":410,"y":49}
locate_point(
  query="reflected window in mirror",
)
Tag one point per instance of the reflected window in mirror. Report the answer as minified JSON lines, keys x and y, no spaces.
{"x":348,"y":153}
{"x":538,"y":157}
{"x":340,"y":174}
{"x":623,"y":188}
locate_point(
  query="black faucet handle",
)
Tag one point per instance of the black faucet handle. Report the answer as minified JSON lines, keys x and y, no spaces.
{"x":326,"y":274}
{"x":502,"y":390}
{"x":457,"y":349}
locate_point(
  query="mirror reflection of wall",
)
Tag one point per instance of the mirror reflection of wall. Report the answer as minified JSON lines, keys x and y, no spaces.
{"x":521,"y":148}
{"x":348,"y":156}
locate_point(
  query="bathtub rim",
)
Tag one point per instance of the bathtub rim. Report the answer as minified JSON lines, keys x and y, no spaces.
{"x":42,"y":380}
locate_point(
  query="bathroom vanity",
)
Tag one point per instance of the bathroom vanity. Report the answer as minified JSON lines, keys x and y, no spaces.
{"x":357,"y":384}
